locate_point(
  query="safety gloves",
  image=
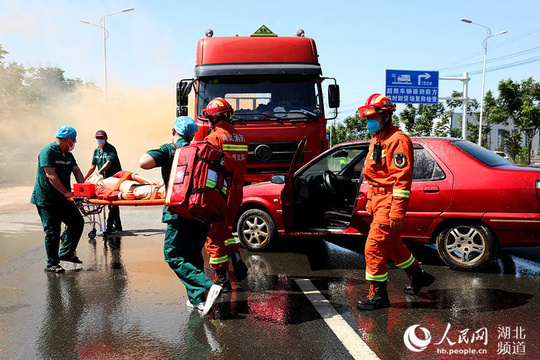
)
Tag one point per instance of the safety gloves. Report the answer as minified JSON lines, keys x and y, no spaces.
{"x":369,"y":207}
{"x":396,"y":224}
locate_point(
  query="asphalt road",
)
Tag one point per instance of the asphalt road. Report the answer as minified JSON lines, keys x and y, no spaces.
{"x":299,"y":302}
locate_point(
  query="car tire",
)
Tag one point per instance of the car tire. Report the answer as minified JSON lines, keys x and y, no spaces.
{"x":466,"y":246}
{"x":256,"y":230}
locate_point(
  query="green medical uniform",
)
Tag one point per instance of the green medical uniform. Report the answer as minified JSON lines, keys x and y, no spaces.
{"x":52,"y":206}
{"x":100,"y":158}
{"x":108,"y":153}
{"x":184,"y":238}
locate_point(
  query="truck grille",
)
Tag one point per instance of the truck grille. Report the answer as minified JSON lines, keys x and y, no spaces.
{"x":273,"y":152}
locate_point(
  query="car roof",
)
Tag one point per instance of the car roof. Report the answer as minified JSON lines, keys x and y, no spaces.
{"x":414,"y":139}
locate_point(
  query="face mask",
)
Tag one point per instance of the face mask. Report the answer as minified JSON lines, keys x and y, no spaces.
{"x":100,"y":141}
{"x":72,"y":146}
{"x":373,"y":126}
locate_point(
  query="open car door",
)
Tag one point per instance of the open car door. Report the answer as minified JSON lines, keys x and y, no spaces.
{"x":287,"y":198}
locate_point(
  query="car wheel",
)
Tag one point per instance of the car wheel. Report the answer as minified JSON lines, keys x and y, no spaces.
{"x":256,"y":230}
{"x":466,"y":246}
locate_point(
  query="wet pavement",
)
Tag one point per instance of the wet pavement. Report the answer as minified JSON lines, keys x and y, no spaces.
{"x":125,"y":303}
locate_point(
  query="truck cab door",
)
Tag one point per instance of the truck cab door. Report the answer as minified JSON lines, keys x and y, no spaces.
{"x":287,"y":196}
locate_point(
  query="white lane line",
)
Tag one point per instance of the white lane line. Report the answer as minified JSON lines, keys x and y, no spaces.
{"x":345,"y":333}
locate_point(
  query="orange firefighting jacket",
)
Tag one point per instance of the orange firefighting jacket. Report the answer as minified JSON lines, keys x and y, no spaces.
{"x":393,"y":174}
{"x":232,"y":142}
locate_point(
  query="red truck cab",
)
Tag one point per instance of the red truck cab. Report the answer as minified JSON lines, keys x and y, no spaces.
{"x":275,"y":86}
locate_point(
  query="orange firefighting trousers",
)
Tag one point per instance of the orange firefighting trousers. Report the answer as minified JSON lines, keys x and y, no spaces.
{"x":384,"y":242}
{"x":220,"y":242}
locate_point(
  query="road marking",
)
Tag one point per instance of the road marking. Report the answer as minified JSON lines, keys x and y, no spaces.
{"x":345,"y":333}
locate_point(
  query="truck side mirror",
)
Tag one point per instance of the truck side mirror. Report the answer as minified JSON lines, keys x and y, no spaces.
{"x":183,"y":88}
{"x":333,"y":96}
{"x":181,"y":111}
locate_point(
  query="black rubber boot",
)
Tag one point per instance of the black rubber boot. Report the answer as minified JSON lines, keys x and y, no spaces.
{"x":377,"y":297}
{"x":240,"y":268}
{"x":222,"y":279}
{"x":418,"y":279}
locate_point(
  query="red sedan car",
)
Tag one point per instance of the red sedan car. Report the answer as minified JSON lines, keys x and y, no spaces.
{"x":464,"y":198}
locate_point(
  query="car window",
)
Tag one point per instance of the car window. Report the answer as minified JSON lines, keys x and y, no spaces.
{"x":481,"y":154}
{"x":425,"y":167}
{"x":338,"y":161}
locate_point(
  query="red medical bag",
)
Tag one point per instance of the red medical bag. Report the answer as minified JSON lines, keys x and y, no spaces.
{"x":84,"y":190}
{"x":199,"y":180}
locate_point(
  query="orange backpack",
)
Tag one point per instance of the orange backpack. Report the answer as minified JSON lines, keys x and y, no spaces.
{"x":198,"y":186}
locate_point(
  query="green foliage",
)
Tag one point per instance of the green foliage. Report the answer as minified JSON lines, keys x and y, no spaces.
{"x":519,"y":101}
{"x":32,"y":93}
{"x":30,"y":87}
{"x":421,"y":120}
{"x":351,"y":129}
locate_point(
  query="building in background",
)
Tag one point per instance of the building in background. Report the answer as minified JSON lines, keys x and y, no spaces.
{"x":495,"y":136}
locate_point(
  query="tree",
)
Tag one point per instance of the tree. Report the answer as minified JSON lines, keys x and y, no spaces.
{"x":521,"y":103}
{"x":421,"y":121}
{"x":351,"y":129}
{"x":472,"y":110}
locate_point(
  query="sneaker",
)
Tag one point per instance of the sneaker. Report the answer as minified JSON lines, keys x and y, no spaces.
{"x":199,"y":306}
{"x":213,"y":294}
{"x":54,"y":268}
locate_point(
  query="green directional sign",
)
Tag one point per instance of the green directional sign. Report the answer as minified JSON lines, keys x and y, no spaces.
{"x":263,"y":31}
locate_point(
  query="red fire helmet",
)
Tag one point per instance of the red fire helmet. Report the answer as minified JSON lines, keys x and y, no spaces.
{"x":216,"y":107}
{"x":375,"y":104}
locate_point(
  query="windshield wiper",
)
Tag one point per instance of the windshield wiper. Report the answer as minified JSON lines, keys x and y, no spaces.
{"x":302,"y":111}
{"x":244,"y":117}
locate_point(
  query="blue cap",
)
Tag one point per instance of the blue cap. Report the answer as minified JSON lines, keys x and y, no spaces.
{"x":185,"y":126}
{"x":66,"y":132}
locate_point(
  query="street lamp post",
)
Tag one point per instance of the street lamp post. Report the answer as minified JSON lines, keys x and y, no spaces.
{"x":484,"y":44}
{"x":105,"y":36}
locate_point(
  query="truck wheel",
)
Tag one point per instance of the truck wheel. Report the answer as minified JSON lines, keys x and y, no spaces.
{"x":466,"y":246}
{"x":256,"y":230}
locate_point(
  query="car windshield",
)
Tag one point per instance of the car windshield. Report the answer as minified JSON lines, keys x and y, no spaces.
{"x":264,"y":98}
{"x":482,"y":154}
{"x":335,"y":160}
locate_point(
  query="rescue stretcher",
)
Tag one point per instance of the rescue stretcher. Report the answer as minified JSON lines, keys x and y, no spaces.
{"x":95,"y":210}
{"x":92,"y":203}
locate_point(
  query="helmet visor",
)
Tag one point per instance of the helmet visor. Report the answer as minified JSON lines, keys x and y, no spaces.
{"x":368,"y":110}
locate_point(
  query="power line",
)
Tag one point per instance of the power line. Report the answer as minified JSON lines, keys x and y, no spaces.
{"x":519,"y":53}
{"x":505,"y":66}
{"x":494,"y":46}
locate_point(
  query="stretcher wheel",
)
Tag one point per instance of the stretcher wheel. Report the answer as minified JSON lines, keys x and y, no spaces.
{"x":92,"y":234}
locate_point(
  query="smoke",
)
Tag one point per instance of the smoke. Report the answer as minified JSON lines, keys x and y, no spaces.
{"x":135,"y":121}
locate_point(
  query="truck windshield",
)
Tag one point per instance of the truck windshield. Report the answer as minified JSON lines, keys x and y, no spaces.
{"x":264,"y":98}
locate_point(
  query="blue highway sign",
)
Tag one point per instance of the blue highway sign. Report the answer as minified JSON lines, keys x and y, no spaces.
{"x":412,"y":86}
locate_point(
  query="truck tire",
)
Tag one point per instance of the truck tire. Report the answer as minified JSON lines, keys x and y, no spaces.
{"x":466,"y":246}
{"x":256,"y":230}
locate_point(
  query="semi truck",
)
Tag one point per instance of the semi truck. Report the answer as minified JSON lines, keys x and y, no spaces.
{"x":274,"y":85}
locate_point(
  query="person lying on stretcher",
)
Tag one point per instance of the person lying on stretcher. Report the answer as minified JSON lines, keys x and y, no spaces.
{"x":126,"y":185}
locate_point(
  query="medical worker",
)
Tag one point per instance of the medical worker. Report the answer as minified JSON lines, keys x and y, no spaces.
{"x":105,"y":159}
{"x":184,"y":238}
{"x":221,"y":245}
{"x":52,"y":189}
{"x":389,"y":172}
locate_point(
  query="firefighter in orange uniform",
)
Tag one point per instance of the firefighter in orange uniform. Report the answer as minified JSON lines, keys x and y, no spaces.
{"x":220,"y":243}
{"x":389,"y":172}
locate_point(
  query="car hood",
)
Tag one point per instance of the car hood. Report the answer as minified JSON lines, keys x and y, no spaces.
{"x":263,"y":188}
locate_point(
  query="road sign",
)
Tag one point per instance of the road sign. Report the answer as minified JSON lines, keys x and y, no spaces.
{"x":412,"y":86}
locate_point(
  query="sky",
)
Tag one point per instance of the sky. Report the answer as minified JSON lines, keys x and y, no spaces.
{"x":154,"y":46}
